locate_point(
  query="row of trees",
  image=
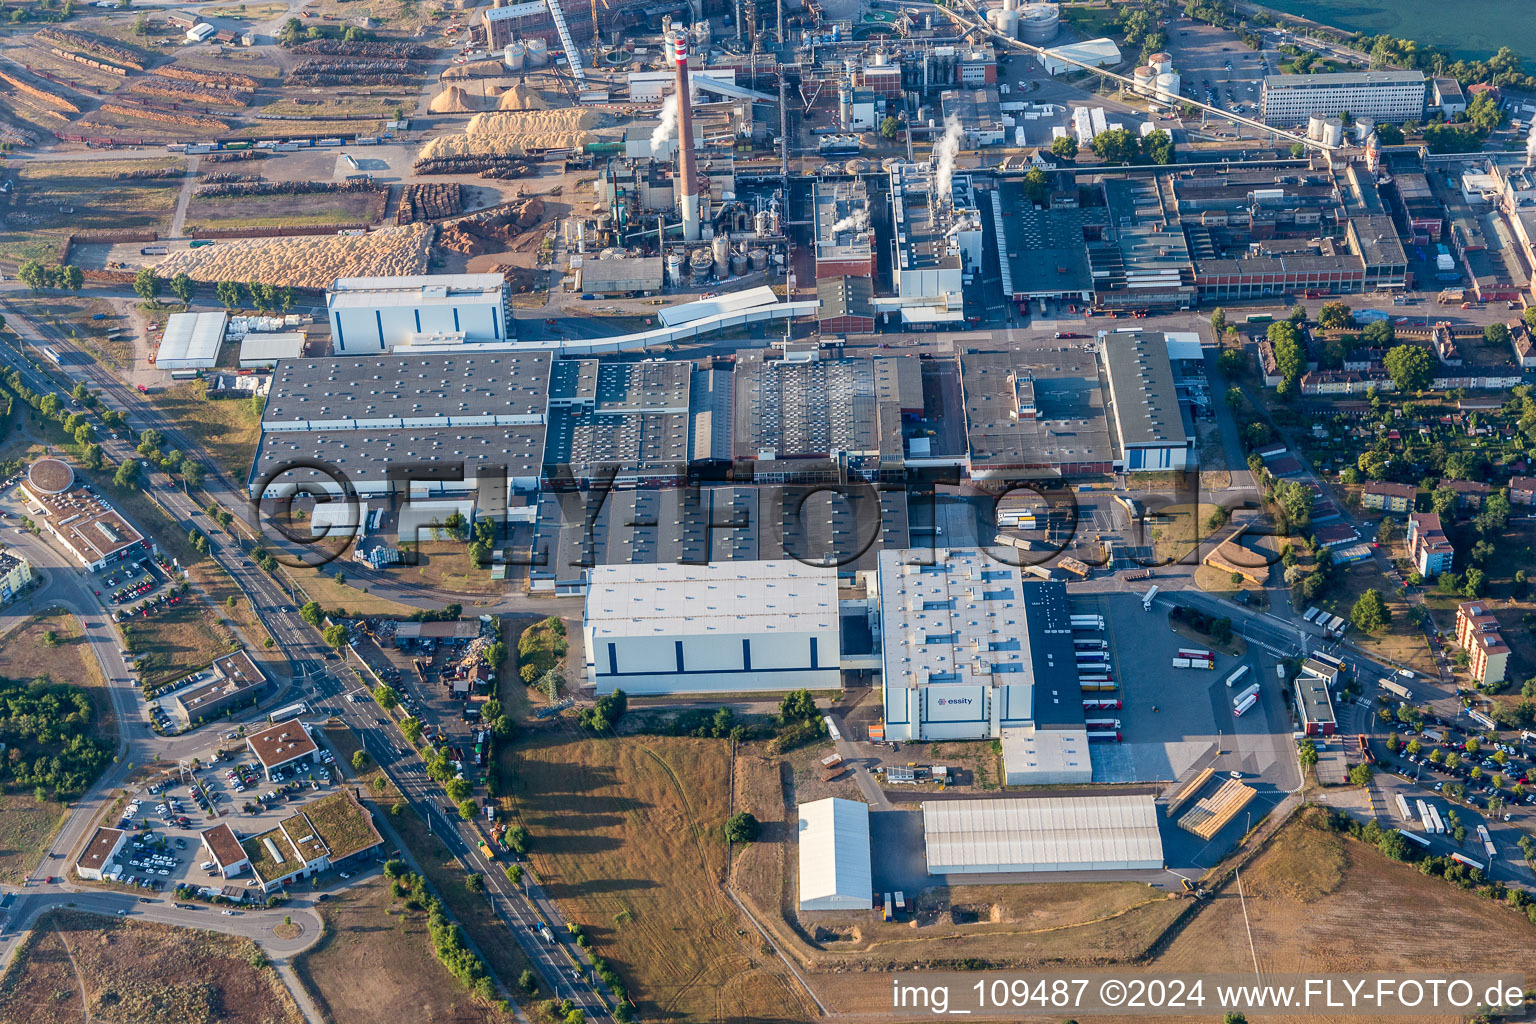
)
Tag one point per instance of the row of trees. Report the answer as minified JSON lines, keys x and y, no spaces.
{"x":38,"y":276}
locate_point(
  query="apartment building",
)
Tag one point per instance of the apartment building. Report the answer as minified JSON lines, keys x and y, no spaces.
{"x":1477,"y":631}
{"x":1430,"y":548}
{"x":1388,"y":497}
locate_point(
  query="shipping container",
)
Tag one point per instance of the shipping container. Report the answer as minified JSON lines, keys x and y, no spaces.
{"x":1403,"y":810}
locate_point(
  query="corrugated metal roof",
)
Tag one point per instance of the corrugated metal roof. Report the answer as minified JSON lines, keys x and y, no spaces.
{"x":781,"y":595}
{"x":732,"y":303}
{"x":834,"y":856}
{"x":1045,"y":834}
{"x":191,"y":340}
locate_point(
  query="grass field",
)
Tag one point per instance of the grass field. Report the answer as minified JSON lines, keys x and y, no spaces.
{"x":28,"y":826}
{"x":71,"y":314}
{"x":283,"y":211}
{"x":83,"y":967}
{"x":227,"y":428}
{"x":1401,"y":641}
{"x":625,"y":838}
{"x":172,"y":641}
{"x":366,"y":925}
{"x":63,"y":197}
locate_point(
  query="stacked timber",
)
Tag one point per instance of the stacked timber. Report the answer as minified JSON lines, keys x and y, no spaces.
{"x":1210,"y":815}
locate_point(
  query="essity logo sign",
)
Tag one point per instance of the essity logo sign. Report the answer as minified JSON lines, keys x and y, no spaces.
{"x":954,"y":700}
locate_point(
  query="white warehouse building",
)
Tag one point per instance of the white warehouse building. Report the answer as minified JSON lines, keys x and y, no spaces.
{"x":1017,"y":835}
{"x":726,"y":627}
{"x":835,"y":871}
{"x":370,"y":315}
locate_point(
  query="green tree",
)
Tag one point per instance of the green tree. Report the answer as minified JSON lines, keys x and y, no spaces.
{"x":1361,"y":775}
{"x":183,"y":288}
{"x":1036,"y":185}
{"x":1370,"y":612}
{"x":146,"y":285}
{"x":741,"y":827}
{"x":1334,"y":316}
{"x":1116,"y":146}
{"x":335,"y":635}
{"x":1064,"y":147}
{"x":385,"y":696}
{"x":474,"y":882}
{"x":360,"y":760}
{"x":228,"y":293}
{"x":72,"y":277}
{"x":312,"y":613}
{"x":1158,"y":147}
{"x":1219,"y":323}
{"x":1410,"y":367}
{"x":1306,"y":753}
{"x":127,"y":474}
{"x":890,"y":128}
{"x":1298,"y":151}
{"x":1496,"y":334}
{"x":1389,"y":135}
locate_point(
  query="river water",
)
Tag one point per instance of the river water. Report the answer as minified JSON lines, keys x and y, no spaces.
{"x":1465,"y":28}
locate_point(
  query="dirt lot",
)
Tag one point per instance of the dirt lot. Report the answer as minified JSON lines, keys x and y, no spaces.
{"x":284,"y":211}
{"x":625,"y":837}
{"x":83,"y":967}
{"x":54,"y":198}
{"x":1309,"y":894}
{"x":366,"y":925}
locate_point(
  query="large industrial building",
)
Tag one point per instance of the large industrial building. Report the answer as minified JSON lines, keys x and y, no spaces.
{"x":972,"y":650}
{"x":1144,"y":403}
{"x":835,"y":869}
{"x":191,"y":341}
{"x":370,"y":315}
{"x":1395,"y":96}
{"x":1095,"y":833}
{"x":938,"y":242}
{"x":437,"y":415}
{"x":844,"y":237}
{"x":728,"y":627}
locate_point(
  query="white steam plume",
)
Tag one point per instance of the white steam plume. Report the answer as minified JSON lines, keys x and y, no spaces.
{"x":944,"y":159}
{"x":855,"y":221}
{"x":668,"y":124}
{"x":1530,"y":145}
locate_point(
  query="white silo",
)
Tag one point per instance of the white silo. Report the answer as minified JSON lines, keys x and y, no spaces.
{"x":845,"y":104}
{"x":1364,"y":127}
{"x":1144,"y":80}
{"x":1039,"y":23}
{"x":1005,"y":20}
{"x":1333,"y":133}
{"x":722,"y":249}
{"x":538,"y":53}
{"x":1162,"y":63}
{"x":514,"y":56}
{"x":1315,"y":127}
{"x":1168,"y":87}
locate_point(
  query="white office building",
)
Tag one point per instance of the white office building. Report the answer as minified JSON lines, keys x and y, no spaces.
{"x":370,"y":315}
{"x":835,"y":869}
{"x":726,"y":627}
{"x":1395,"y":96}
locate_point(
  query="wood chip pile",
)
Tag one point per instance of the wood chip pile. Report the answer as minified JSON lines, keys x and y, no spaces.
{"x":309,"y":261}
{"x":515,"y":132}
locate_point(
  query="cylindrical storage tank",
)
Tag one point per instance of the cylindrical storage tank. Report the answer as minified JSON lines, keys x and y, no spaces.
{"x":1315,"y":127}
{"x":700,"y":263}
{"x":837,"y":32}
{"x":1005,"y":21}
{"x":1168,"y":87}
{"x":845,"y":104}
{"x":1365,"y":127}
{"x":675,"y":260}
{"x":1162,"y":63}
{"x":722,"y":249}
{"x":763,"y":223}
{"x":1144,"y":80}
{"x":856,"y":166}
{"x":758,"y":258}
{"x":1333,"y":132}
{"x":1039,"y":23}
{"x":877,"y":59}
{"x":514,"y":55}
{"x":738,"y":264}
{"x":538,"y":53}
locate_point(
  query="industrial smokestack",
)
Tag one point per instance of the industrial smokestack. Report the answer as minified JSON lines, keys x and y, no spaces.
{"x":685,"y":164}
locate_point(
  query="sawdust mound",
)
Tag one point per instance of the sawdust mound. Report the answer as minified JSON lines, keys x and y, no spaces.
{"x":523,"y":97}
{"x":308,"y":261}
{"x":453,"y":100}
{"x":514,"y":132}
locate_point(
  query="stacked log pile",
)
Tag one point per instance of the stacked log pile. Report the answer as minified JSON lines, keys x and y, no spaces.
{"x":429,"y":202}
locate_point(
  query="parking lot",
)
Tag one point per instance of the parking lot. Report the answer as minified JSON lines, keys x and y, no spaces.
{"x":167,"y":817}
